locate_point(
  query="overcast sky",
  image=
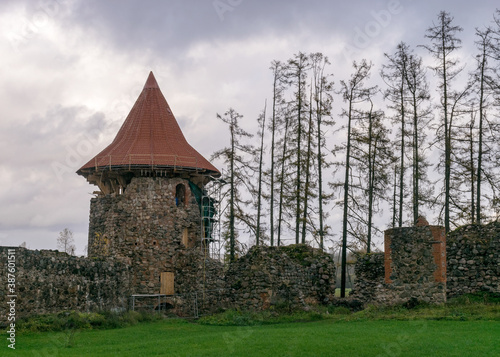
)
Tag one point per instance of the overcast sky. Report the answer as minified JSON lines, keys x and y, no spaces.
{"x":70,"y":71}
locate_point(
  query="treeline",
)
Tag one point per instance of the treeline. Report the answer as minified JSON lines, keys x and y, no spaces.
{"x":284,"y":181}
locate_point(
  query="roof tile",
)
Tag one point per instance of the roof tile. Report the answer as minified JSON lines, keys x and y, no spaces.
{"x":150,"y":135}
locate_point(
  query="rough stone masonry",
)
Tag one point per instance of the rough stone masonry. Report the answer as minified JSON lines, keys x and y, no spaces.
{"x":474,"y":259}
{"x":409,"y":268}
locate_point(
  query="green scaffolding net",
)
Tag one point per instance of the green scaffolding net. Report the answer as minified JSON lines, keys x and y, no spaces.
{"x":207,"y":210}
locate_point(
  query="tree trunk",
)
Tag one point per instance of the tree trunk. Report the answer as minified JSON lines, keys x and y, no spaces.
{"x":259,"y":190}
{"x":273,"y":131}
{"x":282,"y":179}
{"x":480,"y":143}
{"x":320,"y":165}
{"x":232,"y":239}
{"x":402,"y":158}
{"x":307,"y":174}
{"x":371,"y":175}
{"x":346,"y":206}
{"x":416,"y":168}
{"x":299,"y":163}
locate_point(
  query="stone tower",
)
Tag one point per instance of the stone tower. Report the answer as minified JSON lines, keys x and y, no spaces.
{"x":415,"y":262}
{"x":150,"y":195}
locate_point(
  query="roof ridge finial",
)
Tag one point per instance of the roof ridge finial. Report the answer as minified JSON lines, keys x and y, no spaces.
{"x":151,"y":81}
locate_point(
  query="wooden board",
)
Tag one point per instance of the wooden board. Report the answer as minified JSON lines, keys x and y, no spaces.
{"x":167,"y":283}
{"x":185,"y":237}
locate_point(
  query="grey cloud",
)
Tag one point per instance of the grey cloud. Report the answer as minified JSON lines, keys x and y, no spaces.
{"x":172,"y":26}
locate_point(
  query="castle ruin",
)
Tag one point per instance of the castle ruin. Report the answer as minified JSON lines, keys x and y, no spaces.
{"x":151,"y":236}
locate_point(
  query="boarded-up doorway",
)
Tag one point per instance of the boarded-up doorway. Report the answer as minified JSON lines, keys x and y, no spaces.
{"x":167,"y":283}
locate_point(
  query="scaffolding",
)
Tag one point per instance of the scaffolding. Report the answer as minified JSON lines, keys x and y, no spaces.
{"x":210,"y":225}
{"x":185,"y":305}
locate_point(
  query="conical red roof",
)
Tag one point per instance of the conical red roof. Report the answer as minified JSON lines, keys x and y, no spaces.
{"x":150,"y":137}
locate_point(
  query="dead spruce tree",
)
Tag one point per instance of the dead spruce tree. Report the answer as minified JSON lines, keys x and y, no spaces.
{"x":372,"y":156}
{"x":237,"y":158}
{"x":323,"y":99}
{"x":302,"y":103}
{"x":354,"y":94}
{"x":394,"y":75}
{"x":275,"y":124}
{"x":66,"y":242}
{"x":421,"y":116}
{"x":408,"y":96}
{"x":260,"y":176}
{"x":443,"y":46}
{"x":297,"y":76}
{"x":485,"y":89}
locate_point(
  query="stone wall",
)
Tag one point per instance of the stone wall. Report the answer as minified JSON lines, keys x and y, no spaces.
{"x":413,"y":267}
{"x":145,"y":227}
{"x":474,"y":259}
{"x":415,"y":264}
{"x":370,"y":277}
{"x":50,"y":281}
{"x":293,"y":276}
{"x":201,"y":278}
{"x":412,"y":270}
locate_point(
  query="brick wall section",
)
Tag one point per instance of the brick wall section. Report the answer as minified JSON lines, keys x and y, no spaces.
{"x":387,"y":257}
{"x":51,"y":281}
{"x":474,"y":259}
{"x":472,"y":263}
{"x":439,"y":253}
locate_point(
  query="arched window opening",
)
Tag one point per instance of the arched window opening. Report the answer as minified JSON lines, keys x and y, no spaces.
{"x":180,"y":195}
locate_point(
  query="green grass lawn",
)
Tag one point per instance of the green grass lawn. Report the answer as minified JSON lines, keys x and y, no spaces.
{"x":319,"y":338}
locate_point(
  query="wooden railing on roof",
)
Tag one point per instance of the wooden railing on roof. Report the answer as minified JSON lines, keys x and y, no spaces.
{"x":152,"y":160}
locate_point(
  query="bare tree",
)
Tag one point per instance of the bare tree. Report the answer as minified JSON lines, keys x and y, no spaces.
{"x":464,"y":174}
{"x":394,"y":73}
{"x":484,"y":86}
{"x":420,"y":110}
{"x":309,"y":162}
{"x":283,"y":177}
{"x":323,"y":99}
{"x":354,"y":93}
{"x":297,"y":74}
{"x":278,"y":70}
{"x":65,"y":241}
{"x":262,"y":126}
{"x":444,"y":44}
{"x":237,"y":158}
{"x":373,"y":156}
